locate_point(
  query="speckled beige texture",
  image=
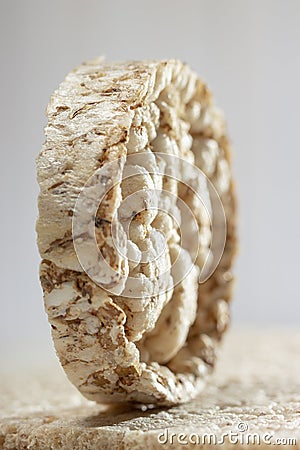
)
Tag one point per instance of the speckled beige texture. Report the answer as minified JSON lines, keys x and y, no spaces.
{"x":160,"y":347}
{"x":256,"y":383}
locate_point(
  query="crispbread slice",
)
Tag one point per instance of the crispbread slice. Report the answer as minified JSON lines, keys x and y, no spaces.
{"x":145,"y":330}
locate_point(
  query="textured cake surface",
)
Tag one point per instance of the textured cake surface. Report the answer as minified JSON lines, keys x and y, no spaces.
{"x":142,"y":328}
{"x":256,"y":383}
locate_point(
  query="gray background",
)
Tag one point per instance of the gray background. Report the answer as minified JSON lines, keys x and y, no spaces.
{"x":248,"y":51}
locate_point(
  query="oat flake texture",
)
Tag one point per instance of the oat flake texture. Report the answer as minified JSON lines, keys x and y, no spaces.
{"x":136,"y":124}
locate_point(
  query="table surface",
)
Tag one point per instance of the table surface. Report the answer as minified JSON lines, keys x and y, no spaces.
{"x":253,"y":400}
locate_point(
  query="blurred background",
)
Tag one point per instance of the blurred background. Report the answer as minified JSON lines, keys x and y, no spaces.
{"x":247,"y":51}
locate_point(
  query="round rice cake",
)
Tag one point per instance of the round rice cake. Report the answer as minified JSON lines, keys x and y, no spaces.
{"x":136,"y":230}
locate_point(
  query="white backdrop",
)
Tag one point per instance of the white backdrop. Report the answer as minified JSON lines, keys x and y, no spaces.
{"x":247,"y":51}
